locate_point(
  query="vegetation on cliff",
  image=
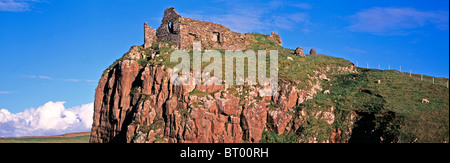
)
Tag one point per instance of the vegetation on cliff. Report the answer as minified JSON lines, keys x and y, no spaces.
{"x":363,"y":109}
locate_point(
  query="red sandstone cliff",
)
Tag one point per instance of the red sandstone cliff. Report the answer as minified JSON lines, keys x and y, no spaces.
{"x":137,"y":103}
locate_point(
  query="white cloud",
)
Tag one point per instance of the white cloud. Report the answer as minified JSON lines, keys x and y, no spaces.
{"x":355,"y":50}
{"x":289,"y":21}
{"x":70,"y":80}
{"x":16,"y":5}
{"x":242,"y":17}
{"x":396,"y":21}
{"x":56,"y":79}
{"x":5,"y":92}
{"x":91,"y":80}
{"x":51,"y":118}
{"x":11,"y":5}
{"x":301,"y":5}
{"x":44,"y":77}
{"x":37,"y":77}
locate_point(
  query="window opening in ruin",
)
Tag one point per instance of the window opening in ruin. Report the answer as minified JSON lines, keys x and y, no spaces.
{"x":170,"y":26}
{"x":194,"y":36}
{"x":216,"y":37}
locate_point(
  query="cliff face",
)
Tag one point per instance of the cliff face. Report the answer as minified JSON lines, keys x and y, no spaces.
{"x":137,"y":103}
{"x":318,"y":99}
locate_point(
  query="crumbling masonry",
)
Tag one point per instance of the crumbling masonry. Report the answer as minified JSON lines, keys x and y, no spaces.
{"x":184,"y":31}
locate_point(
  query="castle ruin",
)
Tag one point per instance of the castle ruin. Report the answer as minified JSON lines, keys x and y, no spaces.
{"x":184,"y":31}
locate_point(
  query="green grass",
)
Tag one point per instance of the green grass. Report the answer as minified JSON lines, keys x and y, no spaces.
{"x":195,"y":105}
{"x":142,"y":62}
{"x":260,"y":41}
{"x":269,"y":137}
{"x":302,"y":69}
{"x":392,"y":110}
{"x":403,"y":94}
{"x":399,"y":94}
{"x":157,"y":123}
{"x":76,"y":139}
{"x":198,"y":93}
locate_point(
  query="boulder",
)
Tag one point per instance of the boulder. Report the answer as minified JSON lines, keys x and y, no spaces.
{"x":313,"y":52}
{"x":276,"y":38}
{"x":299,"y":52}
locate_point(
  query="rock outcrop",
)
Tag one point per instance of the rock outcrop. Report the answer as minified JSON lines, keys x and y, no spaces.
{"x":313,"y":52}
{"x":299,"y":52}
{"x":276,"y":38}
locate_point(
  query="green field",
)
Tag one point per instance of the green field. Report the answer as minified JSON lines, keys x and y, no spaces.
{"x":75,"y":139}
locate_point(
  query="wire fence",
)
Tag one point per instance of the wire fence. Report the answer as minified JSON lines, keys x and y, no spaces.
{"x":423,"y":78}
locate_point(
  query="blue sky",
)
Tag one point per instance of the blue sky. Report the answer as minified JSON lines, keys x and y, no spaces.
{"x":56,"y":50}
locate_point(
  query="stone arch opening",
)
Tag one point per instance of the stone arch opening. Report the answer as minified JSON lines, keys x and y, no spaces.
{"x":170,"y":27}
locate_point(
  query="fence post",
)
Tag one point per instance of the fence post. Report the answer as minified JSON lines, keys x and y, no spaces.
{"x":447,"y":83}
{"x":433,"y":80}
{"x":367,"y":65}
{"x":379,"y":67}
{"x":421,"y":77}
{"x":357,"y":64}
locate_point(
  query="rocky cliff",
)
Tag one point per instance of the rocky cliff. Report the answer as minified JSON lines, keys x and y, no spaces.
{"x":137,"y":103}
{"x":314,"y":102}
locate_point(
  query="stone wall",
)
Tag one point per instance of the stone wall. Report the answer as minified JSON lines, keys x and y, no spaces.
{"x":184,"y":31}
{"x":169,"y":29}
{"x":149,"y":36}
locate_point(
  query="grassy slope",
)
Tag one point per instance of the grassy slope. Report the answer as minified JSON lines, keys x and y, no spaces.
{"x":402,"y":94}
{"x":76,"y":139}
{"x":409,"y":120}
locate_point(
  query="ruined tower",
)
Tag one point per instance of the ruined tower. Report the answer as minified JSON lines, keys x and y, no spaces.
{"x":149,"y":36}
